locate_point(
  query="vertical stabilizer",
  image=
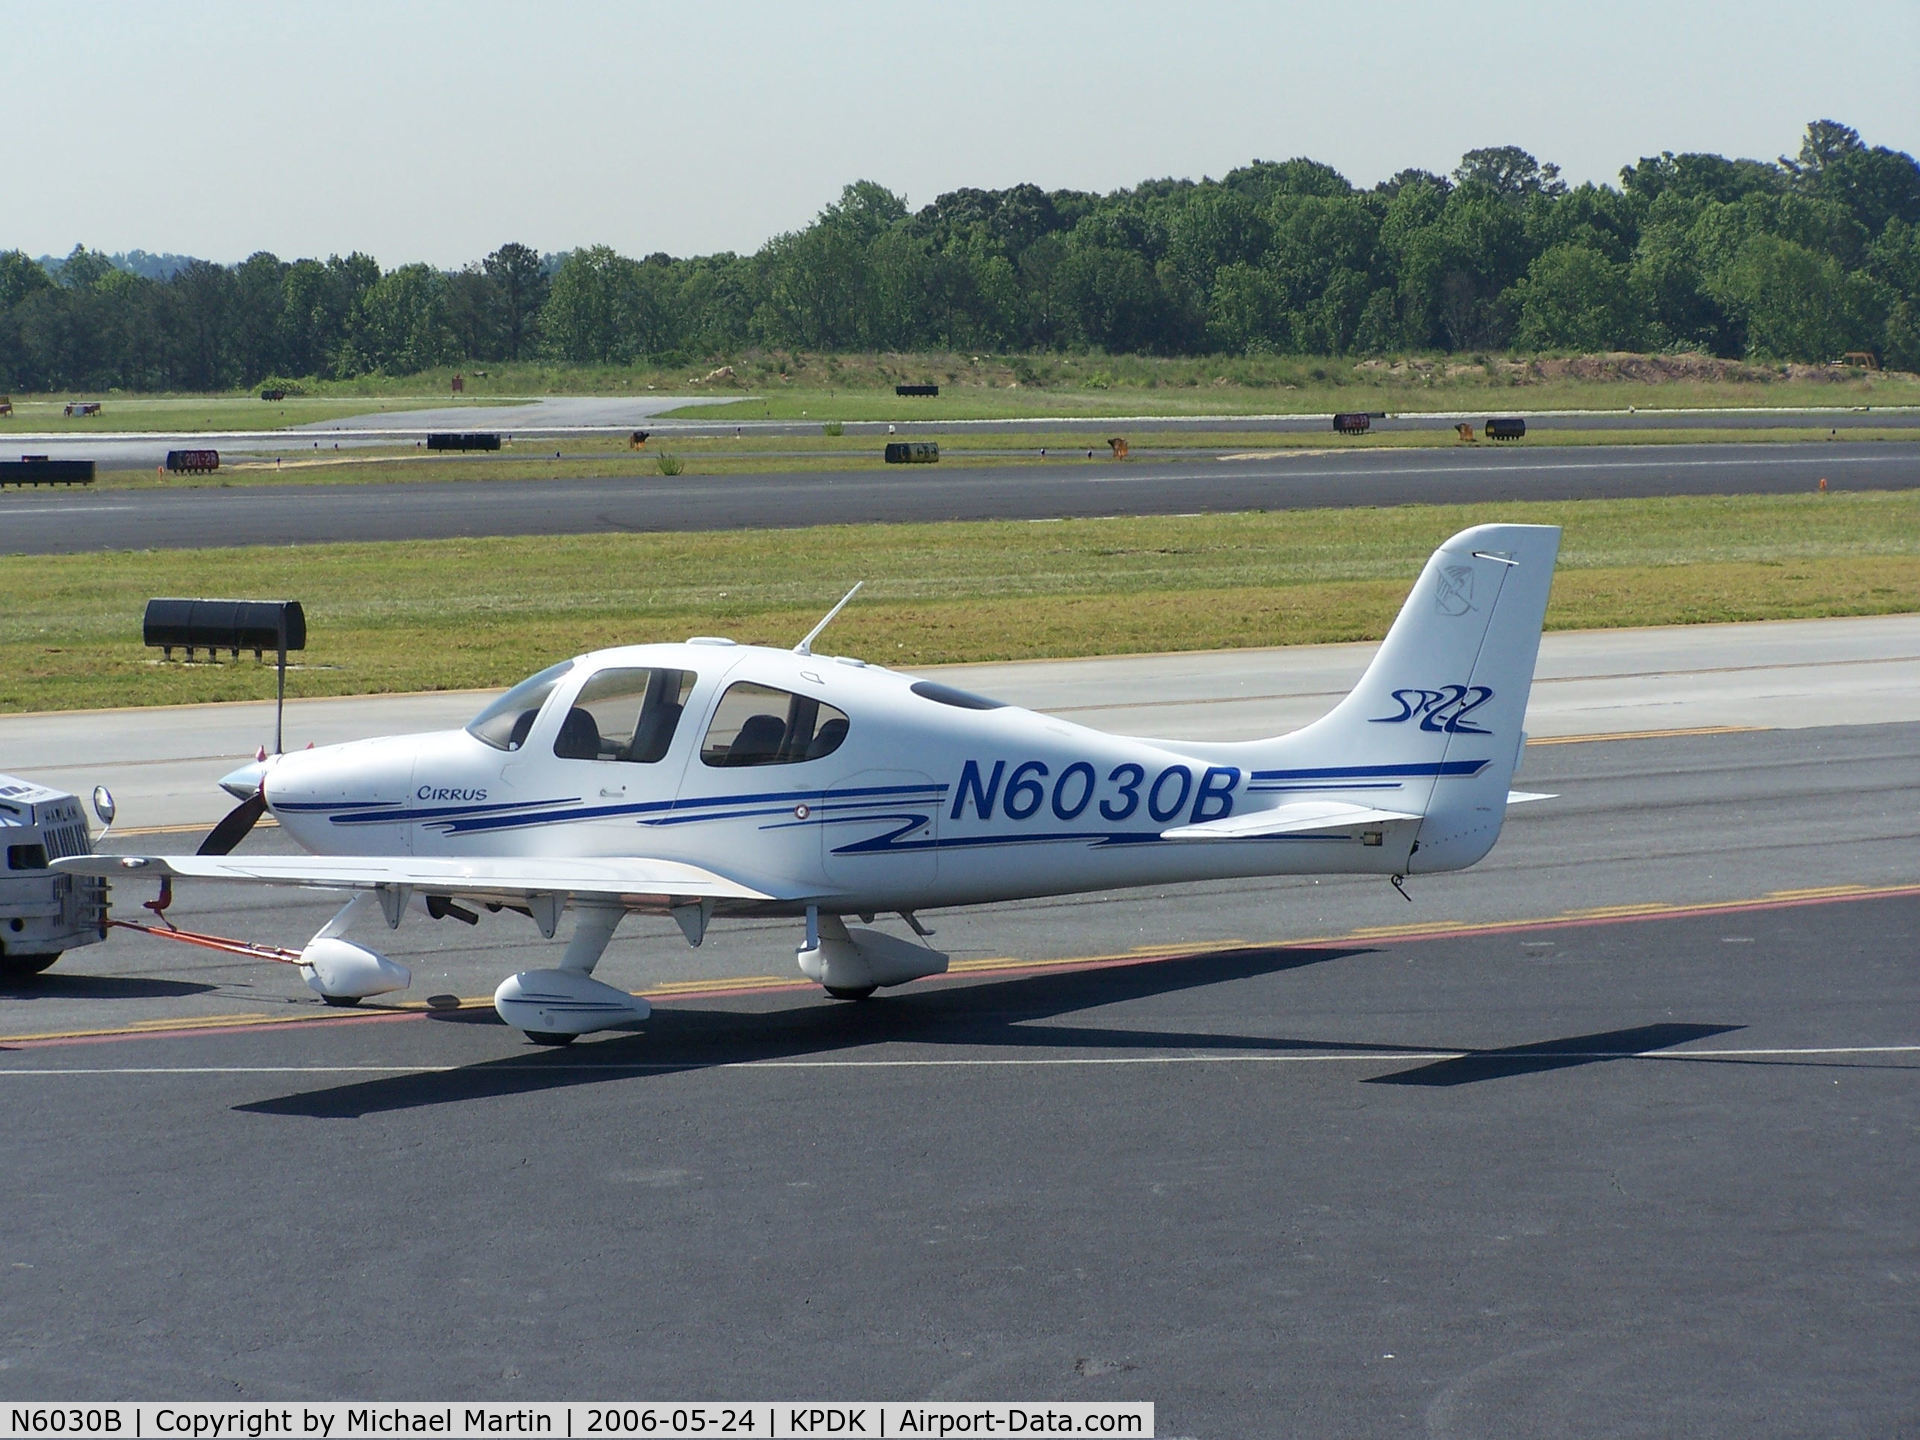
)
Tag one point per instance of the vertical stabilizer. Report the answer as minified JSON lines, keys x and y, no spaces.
{"x":1434,"y":726}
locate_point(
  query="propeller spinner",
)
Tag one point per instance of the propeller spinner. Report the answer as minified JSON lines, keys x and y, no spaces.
{"x":248,"y":783}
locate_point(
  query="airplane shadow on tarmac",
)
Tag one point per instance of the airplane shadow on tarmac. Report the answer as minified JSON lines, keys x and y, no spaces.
{"x":96,"y":987}
{"x":1545,"y":1055}
{"x":995,"y":1013}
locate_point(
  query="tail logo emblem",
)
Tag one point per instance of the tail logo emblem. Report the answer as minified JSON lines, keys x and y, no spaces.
{"x":1454,"y":595}
{"x":1443,"y":711}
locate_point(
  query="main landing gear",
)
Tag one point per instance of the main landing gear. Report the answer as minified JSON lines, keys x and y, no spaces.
{"x":554,"y":1007}
{"x":852,"y":964}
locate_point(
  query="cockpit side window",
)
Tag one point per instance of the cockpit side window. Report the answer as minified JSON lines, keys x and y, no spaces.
{"x":504,"y":724}
{"x":624,"y":715}
{"x":759,"y":725}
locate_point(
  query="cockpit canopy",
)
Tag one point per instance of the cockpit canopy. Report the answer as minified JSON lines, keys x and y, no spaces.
{"x":759,"y":725}
{"x":625,"y":713}
{"x":631,"y":713}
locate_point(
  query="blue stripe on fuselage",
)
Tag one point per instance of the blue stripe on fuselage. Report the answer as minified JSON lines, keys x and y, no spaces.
{"x":1437,"y":769}
{"x":475,"y":819}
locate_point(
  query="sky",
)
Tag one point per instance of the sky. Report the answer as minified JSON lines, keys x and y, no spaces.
{"x":438,"y":131}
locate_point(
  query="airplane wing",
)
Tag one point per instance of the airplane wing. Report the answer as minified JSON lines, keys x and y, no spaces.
{"x":1305,"y":817}
{"x":637,"y":882}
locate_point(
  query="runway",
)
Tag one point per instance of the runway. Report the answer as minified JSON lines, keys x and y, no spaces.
{"x":72,"y":522}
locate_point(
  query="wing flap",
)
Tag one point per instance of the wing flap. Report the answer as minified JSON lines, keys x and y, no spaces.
{"x":1301,"y":817}
{"x":631,"y":879}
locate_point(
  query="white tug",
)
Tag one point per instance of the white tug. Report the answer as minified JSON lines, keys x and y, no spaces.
{"x":44,"y":912}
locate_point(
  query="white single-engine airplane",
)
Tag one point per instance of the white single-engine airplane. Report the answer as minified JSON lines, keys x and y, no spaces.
{"x":713,"y":779}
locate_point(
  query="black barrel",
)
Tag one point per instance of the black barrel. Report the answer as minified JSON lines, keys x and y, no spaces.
{"x":916,"y":389}
{"x":232,"y":625}
{"x":474,"y":441}
{"x":1353,"y":423}
{"x":1506,"y":427}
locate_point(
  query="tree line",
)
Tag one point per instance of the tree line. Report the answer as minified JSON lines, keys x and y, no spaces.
{"x":1805,"y":258}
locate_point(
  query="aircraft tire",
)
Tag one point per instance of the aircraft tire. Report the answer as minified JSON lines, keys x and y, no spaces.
{"x":341,"y":1000}
{"x":850,"y":992}
{"x":18,"y":967}
{"x":549,"y":1037}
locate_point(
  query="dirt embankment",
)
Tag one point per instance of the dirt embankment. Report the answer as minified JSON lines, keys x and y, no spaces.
{"x":1619,"y":365}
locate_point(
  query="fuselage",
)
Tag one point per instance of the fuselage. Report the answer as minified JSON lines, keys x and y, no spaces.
{"x":870,"y":789}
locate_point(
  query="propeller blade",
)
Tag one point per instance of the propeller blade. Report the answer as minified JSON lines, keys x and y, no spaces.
{"x":233,"y":829}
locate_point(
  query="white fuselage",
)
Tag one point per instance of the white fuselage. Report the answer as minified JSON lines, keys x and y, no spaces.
{"x":923,"y":802}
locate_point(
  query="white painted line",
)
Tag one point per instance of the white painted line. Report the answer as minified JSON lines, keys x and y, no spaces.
{"x":1383,"y":1057}
{"x":71,"y":510}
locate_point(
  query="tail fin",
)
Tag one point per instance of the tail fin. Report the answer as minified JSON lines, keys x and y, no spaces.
{"x":1433,"y":727}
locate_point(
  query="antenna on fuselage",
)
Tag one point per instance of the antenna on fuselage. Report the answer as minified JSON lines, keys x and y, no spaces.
{"x":805,"y":647}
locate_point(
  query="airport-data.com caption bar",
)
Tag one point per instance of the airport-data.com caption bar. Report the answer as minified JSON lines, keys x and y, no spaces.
{"x":564,"y":1420}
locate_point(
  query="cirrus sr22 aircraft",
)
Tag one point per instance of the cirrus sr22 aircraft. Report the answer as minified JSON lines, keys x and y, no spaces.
{"x":710,"y":779}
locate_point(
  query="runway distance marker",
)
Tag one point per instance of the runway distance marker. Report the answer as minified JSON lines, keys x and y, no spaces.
{"x":1008,"y":965}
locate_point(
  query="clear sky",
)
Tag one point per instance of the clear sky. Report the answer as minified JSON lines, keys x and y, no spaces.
{"x":438,"y":131}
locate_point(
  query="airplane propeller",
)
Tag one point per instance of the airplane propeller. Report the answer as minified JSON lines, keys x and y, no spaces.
{"x":248,"y":785}
{"x":234,"y":827}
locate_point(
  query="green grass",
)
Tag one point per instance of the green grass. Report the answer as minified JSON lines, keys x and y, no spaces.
{"x":988,"y":385}
{"x":984,"y":404}
{"x":471,"y":613}
{"x":795,"y":385}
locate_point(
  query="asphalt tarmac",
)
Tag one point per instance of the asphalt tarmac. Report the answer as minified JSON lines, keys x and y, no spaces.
{"x":70,"y":521}
{"x":1611,"y":1135}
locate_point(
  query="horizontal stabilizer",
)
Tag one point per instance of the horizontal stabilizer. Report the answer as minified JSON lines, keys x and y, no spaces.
{"x":1521,"y":797}
{"x":635,"y":880}
{"x":1302,"y":817}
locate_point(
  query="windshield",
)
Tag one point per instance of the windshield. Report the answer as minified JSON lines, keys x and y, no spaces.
{"x":504,"y":724}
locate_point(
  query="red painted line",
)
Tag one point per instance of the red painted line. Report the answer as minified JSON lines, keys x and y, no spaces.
{"x":255,"y":1027}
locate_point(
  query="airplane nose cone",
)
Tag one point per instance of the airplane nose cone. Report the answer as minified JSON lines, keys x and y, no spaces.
{"x":244,"y":783}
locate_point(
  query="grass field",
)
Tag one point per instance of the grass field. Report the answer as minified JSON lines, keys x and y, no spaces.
{"x":793,"y":386}
{"x":796,"y":384}
{"x":471,"y":613}
{"x":979,"y":403}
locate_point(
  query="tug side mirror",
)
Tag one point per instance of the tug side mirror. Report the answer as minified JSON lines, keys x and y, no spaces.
{"x":104,"y":807}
